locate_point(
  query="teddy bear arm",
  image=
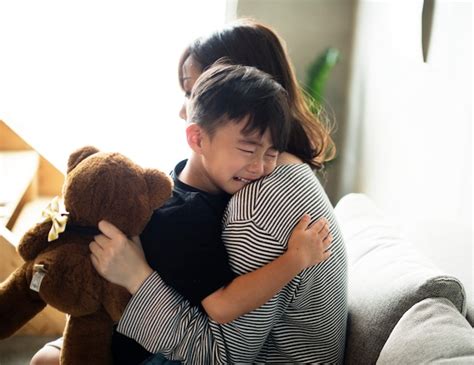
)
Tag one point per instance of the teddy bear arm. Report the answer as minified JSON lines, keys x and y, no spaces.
{"x":18,"y":303}
{"x":34,"y":241}
{"x":87,"y":340}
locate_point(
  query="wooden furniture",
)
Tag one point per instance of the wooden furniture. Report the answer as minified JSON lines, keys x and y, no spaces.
{"x":27,"y":183}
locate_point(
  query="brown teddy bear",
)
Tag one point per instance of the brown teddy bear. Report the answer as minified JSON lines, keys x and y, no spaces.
{"x":58,"y":271}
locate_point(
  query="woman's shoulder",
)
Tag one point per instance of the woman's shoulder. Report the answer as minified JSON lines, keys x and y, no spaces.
{"x":277,"y":202}
{"x":292,"y":174}
{"x":286,"y":158}
{"x":284,"y":179}
{"x":291,"y":184}
{"x":284,"y":187}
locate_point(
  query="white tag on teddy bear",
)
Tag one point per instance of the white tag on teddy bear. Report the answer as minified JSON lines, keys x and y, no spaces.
{"x":38,"y":276}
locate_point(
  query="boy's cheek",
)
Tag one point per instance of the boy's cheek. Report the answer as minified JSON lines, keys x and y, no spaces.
{"x":269,"y":169}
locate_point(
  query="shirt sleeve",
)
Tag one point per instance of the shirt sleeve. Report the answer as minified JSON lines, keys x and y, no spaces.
{"x":162,"y":321}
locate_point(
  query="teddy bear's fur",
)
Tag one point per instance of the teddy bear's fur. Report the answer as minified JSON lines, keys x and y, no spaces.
{"x":98,"y":186}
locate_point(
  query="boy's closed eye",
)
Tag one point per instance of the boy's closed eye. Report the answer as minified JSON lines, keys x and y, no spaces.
{"x":246,"y":150}
{"x":272,"y":154}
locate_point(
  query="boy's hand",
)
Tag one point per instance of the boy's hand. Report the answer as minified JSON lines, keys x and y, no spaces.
{"x":309,"y":244}
{"x":119,"y":259}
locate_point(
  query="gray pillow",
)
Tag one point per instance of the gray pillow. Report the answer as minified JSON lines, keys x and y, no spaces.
{"x":386,"y":277}
{"x":432,"y":331}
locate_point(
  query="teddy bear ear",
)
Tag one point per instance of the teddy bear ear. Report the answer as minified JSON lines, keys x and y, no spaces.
{"x":159,"y":187}
{"x":79,"y":155}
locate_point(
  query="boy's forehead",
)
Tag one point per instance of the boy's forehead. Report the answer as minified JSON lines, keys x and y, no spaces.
{"x":240,"y":126}
{"x":234,"y":131}
{"x":254,"y":136}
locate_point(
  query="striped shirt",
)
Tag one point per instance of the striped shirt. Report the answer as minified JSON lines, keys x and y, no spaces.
{"x":305,"y":322}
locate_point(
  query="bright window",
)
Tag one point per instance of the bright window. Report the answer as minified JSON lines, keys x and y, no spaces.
{"x":99,"y":72}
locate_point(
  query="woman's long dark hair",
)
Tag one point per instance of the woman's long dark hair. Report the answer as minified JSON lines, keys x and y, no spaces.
{"x":250,"y":43}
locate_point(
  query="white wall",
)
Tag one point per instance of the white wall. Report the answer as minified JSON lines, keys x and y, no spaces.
{"x":100,"y":72}
{"x":409,"y":142}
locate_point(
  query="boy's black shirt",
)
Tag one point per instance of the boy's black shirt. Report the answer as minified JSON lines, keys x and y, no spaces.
{"x":182,"y":241}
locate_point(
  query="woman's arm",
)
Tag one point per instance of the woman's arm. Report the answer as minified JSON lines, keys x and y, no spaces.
{"x":269,"y":333}
{"x":307,"y":247}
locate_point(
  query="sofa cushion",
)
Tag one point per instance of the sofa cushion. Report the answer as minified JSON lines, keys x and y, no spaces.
{"x":432,"y":331}
{"x":386,"y":277}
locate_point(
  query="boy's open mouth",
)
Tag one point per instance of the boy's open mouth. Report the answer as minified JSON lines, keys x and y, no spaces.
{"x":246,"y":181}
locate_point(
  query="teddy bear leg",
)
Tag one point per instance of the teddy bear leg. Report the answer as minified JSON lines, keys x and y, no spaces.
{"x":18,"y":303}
{"x":87,"y":340}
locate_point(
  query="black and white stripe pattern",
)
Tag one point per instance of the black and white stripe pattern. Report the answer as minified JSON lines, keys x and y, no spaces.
{"x":303,"y":323}
{"x":306,"y":321}
{"x":162,"y":321}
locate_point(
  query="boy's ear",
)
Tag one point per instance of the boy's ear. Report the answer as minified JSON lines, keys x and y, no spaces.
{"x":194,"y":134}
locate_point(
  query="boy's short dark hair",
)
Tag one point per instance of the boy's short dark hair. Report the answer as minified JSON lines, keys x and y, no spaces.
{"x":232,"y":92}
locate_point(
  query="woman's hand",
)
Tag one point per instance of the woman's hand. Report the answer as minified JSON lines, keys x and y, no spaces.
{"x":119,"y":259}
{"x":310,"y":243}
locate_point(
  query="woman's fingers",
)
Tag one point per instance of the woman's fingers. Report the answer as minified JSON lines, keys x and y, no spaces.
{"x":303,"y":223}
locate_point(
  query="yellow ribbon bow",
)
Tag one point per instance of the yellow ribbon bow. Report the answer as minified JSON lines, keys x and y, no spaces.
{"x":52,"y":213}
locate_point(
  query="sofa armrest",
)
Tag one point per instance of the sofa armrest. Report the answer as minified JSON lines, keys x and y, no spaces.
{"x":386,"y":277}
{"x":432,"y":331}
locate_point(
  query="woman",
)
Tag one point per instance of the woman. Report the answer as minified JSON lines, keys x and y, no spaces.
{"x":305,"y":322}
{"x":308,"y":317}
{"x":250,"y":43}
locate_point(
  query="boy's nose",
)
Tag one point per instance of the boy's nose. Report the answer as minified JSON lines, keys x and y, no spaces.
{"x":256,"y":168}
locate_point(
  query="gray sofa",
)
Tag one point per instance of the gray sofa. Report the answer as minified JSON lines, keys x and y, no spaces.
{"x":402,"y":308}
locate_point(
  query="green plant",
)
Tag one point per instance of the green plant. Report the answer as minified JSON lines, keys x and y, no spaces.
{"x":318,"y":73}
{"x":317,"y":76}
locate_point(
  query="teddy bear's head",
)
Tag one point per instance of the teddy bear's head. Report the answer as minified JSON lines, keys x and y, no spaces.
{"x":99,"y":186}
{"x":58,"y":269}
{"x":109,"y":186}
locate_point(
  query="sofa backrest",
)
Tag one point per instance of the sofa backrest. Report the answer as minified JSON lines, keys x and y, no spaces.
{"x":386,"y":277}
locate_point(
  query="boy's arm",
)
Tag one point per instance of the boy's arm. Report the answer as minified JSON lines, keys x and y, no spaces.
{"x":306,"y":247}
{"x":157,"y":316}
